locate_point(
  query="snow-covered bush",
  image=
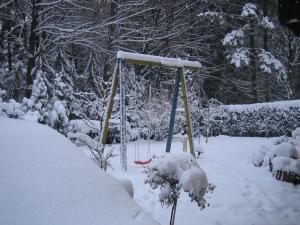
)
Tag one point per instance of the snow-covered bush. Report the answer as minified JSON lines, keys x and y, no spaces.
{"x":157,"y":118}
{"x":58,"y":118}
{"x":282,"y":158}
{"x":11,"y":109}
{"x":296,"y":135}
{"x":89,"y":127}
{"x":175,"y":172}
{"x":286,"y":169}
{"x":283,"y":149}
{"x":213,"y":117}
{"x":100,"y":155}
{"x":258,"y":157}
{"x":2,"y":94}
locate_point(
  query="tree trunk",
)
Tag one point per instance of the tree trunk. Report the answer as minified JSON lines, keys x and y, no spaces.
{"x":111,"y":30}
{"x":267,"y":78}
{"x":33,"y":45}
{"x":173,"y":212}
{"x":252,"y":63}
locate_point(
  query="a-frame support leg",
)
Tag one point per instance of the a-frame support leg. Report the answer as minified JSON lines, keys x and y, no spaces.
{"x":109,"y":108}
{"x":187,"y":111}
{"x":123,"y":149}
{"x":173,"y":111}
{"x":180,"y":78}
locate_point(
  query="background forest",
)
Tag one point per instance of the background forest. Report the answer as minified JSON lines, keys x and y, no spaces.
{"x":57,"y":57}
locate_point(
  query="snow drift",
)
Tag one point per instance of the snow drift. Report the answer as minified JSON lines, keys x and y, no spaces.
{"x":46,"y":180}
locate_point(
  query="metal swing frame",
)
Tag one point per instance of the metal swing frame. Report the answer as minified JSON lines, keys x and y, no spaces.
{"x":124,"y":58}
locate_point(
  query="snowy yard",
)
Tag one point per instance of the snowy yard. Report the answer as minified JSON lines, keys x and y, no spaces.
{"x":244,"y":194}
{"x":45,"y":180}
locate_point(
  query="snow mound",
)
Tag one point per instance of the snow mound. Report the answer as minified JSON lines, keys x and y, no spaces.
{"x":258,"y":157}
{"x":296,"y":135}
{"x":286,"y":164}
{"x":283,"y":149}
{"x":46,"y":180}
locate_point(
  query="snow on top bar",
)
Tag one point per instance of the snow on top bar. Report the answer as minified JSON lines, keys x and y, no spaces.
{"x":157,"y":60}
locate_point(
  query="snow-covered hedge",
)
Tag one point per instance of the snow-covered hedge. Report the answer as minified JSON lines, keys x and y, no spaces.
{"x":282,"y":158}
{"x":260,"y":120}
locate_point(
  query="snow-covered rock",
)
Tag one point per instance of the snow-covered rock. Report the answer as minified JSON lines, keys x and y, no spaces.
{"x":46,"y":180}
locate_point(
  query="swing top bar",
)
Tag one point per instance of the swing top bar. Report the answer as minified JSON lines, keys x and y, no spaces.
{"x":151,"y":60}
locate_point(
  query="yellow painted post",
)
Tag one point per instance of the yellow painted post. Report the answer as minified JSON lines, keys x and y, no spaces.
{"x":108,"y":112}
{"x":186,"y":109}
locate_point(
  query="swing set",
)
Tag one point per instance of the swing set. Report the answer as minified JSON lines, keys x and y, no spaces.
{"x":119,"y":76}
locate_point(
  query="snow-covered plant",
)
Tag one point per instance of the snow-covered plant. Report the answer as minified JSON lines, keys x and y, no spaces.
{"x":39,"y":99}
{"x":239,"y":57}
{"x":11,"y":109}
{"x":62,"y":89}
{"x":296,"y":136}
{"x":88,"y":105}
{"x":2,"y":94}
{"x":157,"y":115}
{"x":249,"y":10}
{"x":58,"y":118}
{"x":176,"y":172}
{"x":234,"y":38}
{"x":100,"y":155}
{"x":212,"y":16}
{"x":284,"y":149}
{"x":39,"y":90}
{"x":213,"y":117}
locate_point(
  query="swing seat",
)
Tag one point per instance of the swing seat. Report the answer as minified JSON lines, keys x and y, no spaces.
{"x":142,"y":162}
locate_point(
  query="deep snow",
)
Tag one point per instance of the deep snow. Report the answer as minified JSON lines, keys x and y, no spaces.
{"x":45,"y":179}
{"x":244,"y":194}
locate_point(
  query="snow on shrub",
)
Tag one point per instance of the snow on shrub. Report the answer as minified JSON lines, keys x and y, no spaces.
{"x":296,"y":135}
{"x":286,"y":164}
{"x":175,"y":172}
{"x":11,"y":109}
{"x":283,"y":149}
{"x":58,"y":118}
{"x":258,"y":157}
{"x":99,"y":154}
{"x":282,"y":158}
{"x":89,"y":127}
{"x":286,"y":169}
{"x":2,"y":94}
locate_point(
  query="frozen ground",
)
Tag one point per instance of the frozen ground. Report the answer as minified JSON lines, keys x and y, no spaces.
{"x":244,"y":194}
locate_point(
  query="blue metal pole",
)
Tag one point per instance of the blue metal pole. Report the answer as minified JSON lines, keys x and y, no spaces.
{"x":173,"y":111}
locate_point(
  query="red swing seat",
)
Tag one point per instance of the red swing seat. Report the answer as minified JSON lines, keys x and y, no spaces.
{"x":142,"y":162}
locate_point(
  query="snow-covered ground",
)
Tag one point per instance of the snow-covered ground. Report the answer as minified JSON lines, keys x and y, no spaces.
{"x":45,"y":179}
{"x":244,"y":194}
